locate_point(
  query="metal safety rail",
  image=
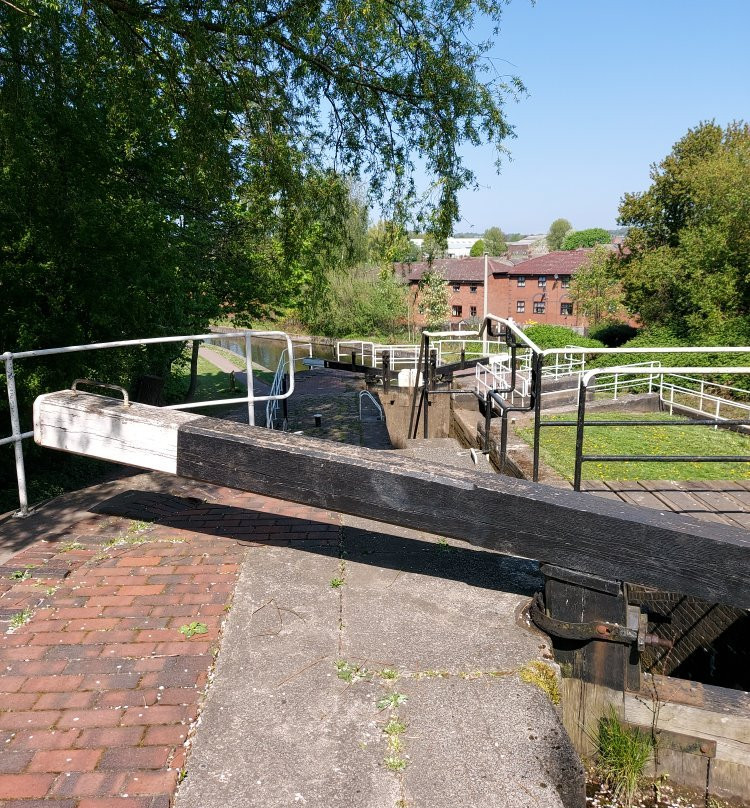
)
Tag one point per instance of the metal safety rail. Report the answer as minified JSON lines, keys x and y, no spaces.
{"x":11,"y":357}
{"x":626,"y":370}
{"x":580,"y":424}
{"x":278,"y":388}
{"x":523,"y":376}
{"x":366,"y":394}
{"x":406,"y":356}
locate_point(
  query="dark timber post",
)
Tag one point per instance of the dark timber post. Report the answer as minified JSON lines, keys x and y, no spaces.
{"x":574,"y":599}
{"x":503,"y":439}
{"x":429,"y":385}
{"x":386,"y":372}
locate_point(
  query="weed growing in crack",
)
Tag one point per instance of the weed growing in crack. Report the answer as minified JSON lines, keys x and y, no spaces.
{"x":69,"y":546}
{"x":622,"y":755}
{"x":443,"y":546}
{"x":388,"y":673}
{"x":350,"y":673}
{"x":336,"y":583}
{"x":23,"y":574}
{"x":21,"y":618}
{"x":191,"y":629}
{"x":392,"y":701}
{"x":544,"y":677}
{"x":395,"y":759}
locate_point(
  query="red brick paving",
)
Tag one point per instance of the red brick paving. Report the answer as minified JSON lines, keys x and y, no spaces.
{"x":99,"y":689}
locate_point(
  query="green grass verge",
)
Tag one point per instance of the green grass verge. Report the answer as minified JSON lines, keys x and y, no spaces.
{"x":557,"y":448}
{"x":239,"y":363}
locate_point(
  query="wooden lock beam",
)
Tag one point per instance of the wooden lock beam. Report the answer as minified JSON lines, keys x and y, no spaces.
{"x":578,"y":531}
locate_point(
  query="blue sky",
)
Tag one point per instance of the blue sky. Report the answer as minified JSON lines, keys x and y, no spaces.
{"x":612,"y":85}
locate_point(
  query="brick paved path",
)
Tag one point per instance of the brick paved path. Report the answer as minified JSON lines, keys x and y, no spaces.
{"x":99,"y":688}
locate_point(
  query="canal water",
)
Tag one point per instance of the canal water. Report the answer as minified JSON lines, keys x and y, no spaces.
{"x":267,"y":351}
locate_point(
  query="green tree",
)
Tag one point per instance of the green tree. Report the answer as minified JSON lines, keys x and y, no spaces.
{"x":477,"y":248}
{"x":494,"y":241}
{"x":166,"y":164}
{"x":388,"y":243}
{"x":688,"y":264}
{"x":585,"y":238}
{"x":434,"y":296}
{"x":557,"y":232}
{"x":433,"y":247}
{"x":595,"y":289}
{"x":364,"y":302}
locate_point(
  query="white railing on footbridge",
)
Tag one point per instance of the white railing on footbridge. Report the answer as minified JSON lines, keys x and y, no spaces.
{"x":675,"y":389}
{"x":10,"y":358}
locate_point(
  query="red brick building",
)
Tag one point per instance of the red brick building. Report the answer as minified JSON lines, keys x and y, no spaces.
{"x":536,"y":290}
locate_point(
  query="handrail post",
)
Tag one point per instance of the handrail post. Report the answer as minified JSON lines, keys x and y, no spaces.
{"x":250,"y":386}
{"x":15,"y":423}
{"x":579,"y":434}
{"x":538,"y":363}
{"x":503,"y":439}
{"x":429,"y":386}
{"x":487,"y":421}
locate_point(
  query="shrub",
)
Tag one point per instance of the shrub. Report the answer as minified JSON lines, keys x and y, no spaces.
{"x":613,"y":335}
{"x":557,"y":336}
{"x":361,"y":303}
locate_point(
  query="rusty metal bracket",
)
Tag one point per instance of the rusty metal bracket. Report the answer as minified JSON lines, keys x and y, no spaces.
{"x":94,"y":383}
{"x":599,"y":630}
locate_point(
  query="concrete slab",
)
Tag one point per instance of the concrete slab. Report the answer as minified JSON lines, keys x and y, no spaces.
{"x":487,"y":742}
{"x":296,"y":714}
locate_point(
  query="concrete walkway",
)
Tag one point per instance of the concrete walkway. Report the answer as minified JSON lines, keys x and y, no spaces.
{"x":336,"y":628}
{"x":170,"y":642}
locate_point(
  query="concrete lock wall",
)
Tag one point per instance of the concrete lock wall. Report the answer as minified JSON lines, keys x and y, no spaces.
{"x":397,"y":403}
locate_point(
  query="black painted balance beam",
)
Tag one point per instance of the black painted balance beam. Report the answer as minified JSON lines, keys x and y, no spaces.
{"x":578,"y":531}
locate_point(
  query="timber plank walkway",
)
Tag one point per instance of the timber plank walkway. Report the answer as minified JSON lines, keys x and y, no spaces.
{"x":722,"y":501}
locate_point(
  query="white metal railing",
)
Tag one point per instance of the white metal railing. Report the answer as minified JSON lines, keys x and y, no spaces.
{"x":365,"y":349}
{"x":277,"y":388}
{"x":11,"y":357}
{"x":696,"y":399}
{"x":497,"y":375}
{"x":399,"y":356}
{"x":370,"y":397}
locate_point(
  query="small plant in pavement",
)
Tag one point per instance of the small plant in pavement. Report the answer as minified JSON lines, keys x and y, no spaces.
{"x":191,"y":629}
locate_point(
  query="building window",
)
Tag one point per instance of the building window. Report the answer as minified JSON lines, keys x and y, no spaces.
{"x":565,"y":281}
{"x":456,"y":287}
{"x":539,"y":308}
{"x":456,"y":311}
{"x":520,"y":306}
{"x":542,"y":280}
{"x":473,"y":288}
{"x":472,"y":311}
{"x":522,"y":280}
{"x":566,"y":308}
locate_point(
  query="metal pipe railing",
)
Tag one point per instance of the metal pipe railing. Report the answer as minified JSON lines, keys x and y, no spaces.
{"x":10,"y":357}
{"x":581,"y":458}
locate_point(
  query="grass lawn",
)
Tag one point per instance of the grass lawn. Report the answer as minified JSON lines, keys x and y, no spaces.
{"x":558,"y":448}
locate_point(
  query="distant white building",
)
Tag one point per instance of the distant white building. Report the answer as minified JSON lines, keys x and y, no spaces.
{"x":457,"y":247}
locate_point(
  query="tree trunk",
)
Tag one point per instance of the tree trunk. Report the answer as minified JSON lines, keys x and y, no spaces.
{"x":193,"y":371}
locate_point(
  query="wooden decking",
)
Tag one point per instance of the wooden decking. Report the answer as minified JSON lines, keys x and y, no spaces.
{"x":724,"y":501}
